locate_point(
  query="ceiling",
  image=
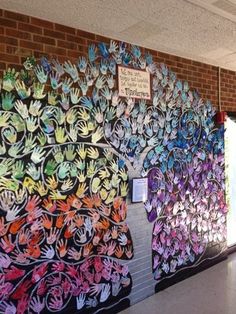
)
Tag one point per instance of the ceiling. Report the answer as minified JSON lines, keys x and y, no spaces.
{"x":203,"y":30}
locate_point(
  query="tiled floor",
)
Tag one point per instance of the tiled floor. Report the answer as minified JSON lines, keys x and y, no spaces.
{"x":212,"y":291}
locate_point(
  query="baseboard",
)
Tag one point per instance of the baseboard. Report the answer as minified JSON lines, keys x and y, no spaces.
{"x":167,"y":282}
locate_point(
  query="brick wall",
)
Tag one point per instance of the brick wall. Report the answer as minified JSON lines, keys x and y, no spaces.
{"x":21,"y":36}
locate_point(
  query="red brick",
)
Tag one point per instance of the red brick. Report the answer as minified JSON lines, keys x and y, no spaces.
{"x":9,"y":40}
{"x":40,"y":54}
{"x":2,"y":48}
{"x":9,"y":58}
{"x":181,"y":77}
{"x":24,"y":52}
{"x":54,"y":34}
{"x":206,"y":86}
{"x":12,"y":50}
{"x":163,"y":55}
{"x":179,"y":64}
{"x":17,"y":34}
{"x":55,"y":50}
{"x":65,"y":29}
{"x":78,"y":40}
{"x":30,"y":28}
{"x":41,"y":23}
{"x":8,"y":23}
{"x":85,"y":34}
{"x":16,"y":16}
{"x":67,"y":44}
{"x":83,"y":49}
{"x":186,"y":61}
{"x":39,"y":37}
{"x":31,"y":45}
{"x":152,"y":52}
{"x":102,"y":39}
{"x":73,"y":54}
{"x":171,"y":63}
{"x":44,"y":40}
{"x":16,"y":66}
{"x":2,"y":65}
{"x":62,"y":59}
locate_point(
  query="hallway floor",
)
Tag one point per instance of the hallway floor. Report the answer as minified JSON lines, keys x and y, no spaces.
{"x":212,"y":291}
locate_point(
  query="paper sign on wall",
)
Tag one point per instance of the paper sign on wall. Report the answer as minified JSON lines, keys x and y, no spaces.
{"x":139,"y":190}
{"x":134,"y":83}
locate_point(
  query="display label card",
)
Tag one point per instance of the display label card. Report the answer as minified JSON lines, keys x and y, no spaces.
{"x":134,"y":83}
{"x":139,"y":190}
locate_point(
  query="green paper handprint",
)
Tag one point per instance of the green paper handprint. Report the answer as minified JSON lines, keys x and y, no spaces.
{"x":64,"y":170}
{"x":18,"y":170}
{"x":21,"y":89}
{"x":2,"y":149}
{"x":52,"y":98}
{"x":60,"y":116}
{"x":38,"y":89}
{"x":9,"y":79}
{"x":66,"y":85}
{"x":58,"y":155}
{"x":73,"y":171}
{"x":34,"y":108}
{"x":60,"y":135}
{"x":21,"y":109}
{"x":124,"y":189}
{"x":41,"y":74}
{"x":50,"y":167}
{"x":7,"y":101}
{"x":71,"y":69}
{"x":9,"y":184}
{"x":5,"y":166}
{"x":80,"y":163}
{"x":71,"y":116}
{"x":64,"y":102}
{"x":54,"y":80}
{"x":33,"y":171}
{"x":42,"y":139}
{"x":37,"y":155}
{"x":10,"y":134}
{"x":98,"y":115}
{"x":14,"y":150}
{"x":93,"y":153}
{"x":74,"y":95}
{"x":97,"y":135}
{"x":29,"y":143}
{"x":82,"y":151}
{"x":17,"y":122}
{"x":4,"y":117}
{"x":81,"y":176}
{"x":83,"y":114}
{"x":73,"y":133}
{"x":91,"y":168}
{"x":29,"y":63}
{"x":70,"y":153}
{"x":32,"y":124}
{"x":83,"y":128}
{"x":26,"y":77}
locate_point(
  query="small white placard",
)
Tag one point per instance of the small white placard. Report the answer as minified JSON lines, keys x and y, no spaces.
{"x":134,"y":83}
{"x":140,"y":190}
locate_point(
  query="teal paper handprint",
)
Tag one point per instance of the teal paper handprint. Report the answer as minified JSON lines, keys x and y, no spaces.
{"x":8,"y":101}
